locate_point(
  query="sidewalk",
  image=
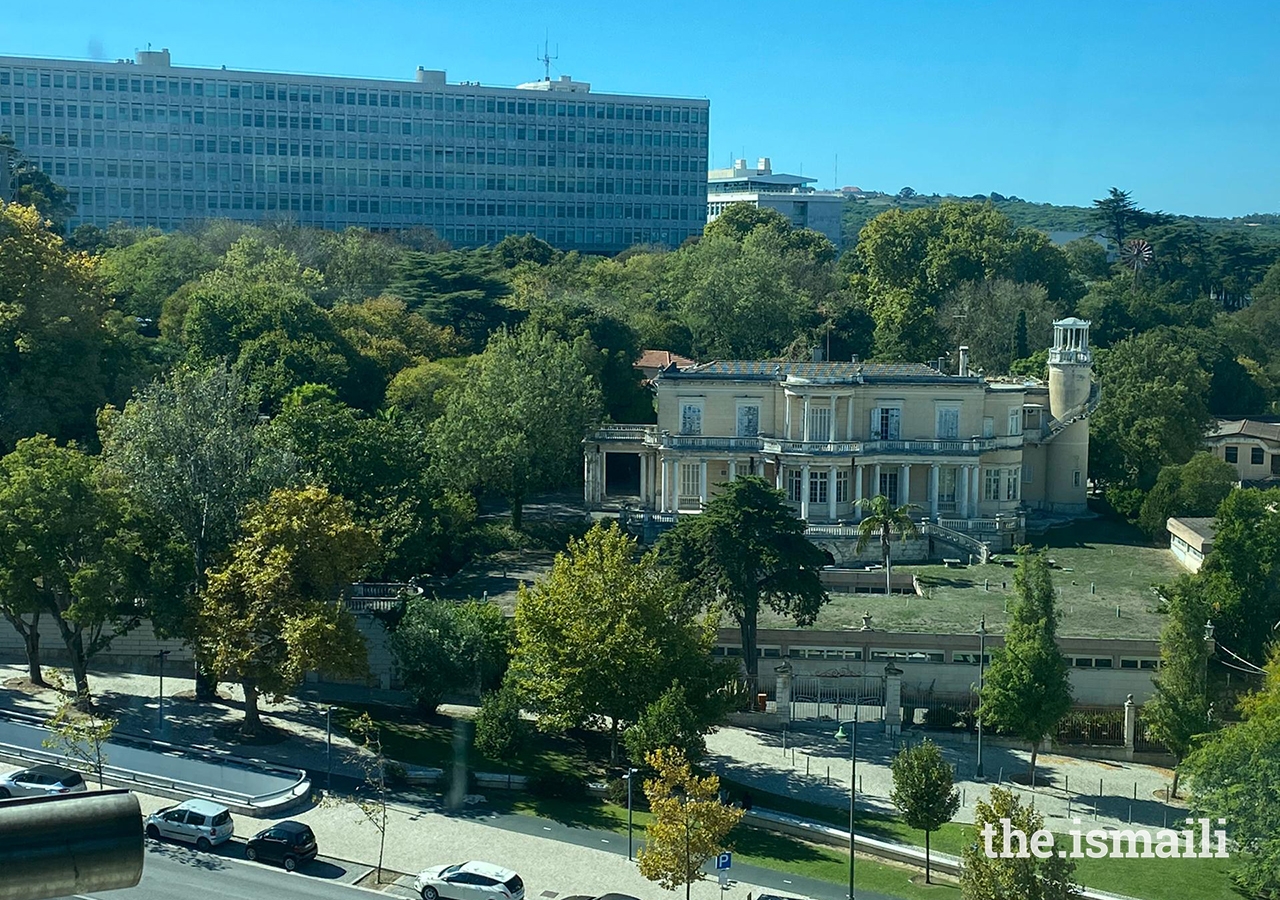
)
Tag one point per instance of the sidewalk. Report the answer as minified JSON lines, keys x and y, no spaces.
{"x":815,"y":767}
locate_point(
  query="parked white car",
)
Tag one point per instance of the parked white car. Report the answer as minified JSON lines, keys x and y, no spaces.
{"x":469,"y":881}
{"x":41,"y":781}
{"x":201,"y":822}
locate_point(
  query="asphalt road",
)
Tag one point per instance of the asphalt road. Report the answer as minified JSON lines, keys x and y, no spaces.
{"x":174,"y":870}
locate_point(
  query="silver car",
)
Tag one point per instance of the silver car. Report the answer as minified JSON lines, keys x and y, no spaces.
{"x":41,"y":781}
{"x":201,"y":822}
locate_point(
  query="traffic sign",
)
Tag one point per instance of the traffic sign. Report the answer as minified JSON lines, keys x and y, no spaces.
{"x":724,"y":860}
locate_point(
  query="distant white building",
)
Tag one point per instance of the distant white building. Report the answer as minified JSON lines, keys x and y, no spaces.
{"x":790,"y":195}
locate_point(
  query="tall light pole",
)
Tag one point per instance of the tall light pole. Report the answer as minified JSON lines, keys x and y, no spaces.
{"x":630,"y":776}
{"x":160,"y":699}
{"x":982,"y":665}
{"x":328,"y":749}
{"x":853,"y":780}
{"x":1208,"y":641}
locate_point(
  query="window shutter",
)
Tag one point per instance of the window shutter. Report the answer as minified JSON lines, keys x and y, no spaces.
{"x":875,"y":424}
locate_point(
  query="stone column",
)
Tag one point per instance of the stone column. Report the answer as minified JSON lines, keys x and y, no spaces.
{"x":786,"y":428}
{"x":702,"y":482}
{"x":904,"y":484}
{"x":933,"y":491}
{"x":875,"y":481}
{"x":962,"y":498}
{"x":857,"y":492}
{"x":849,"y":424}
{"x":777,"y":474}
{"x":804,"y":429}
{"x":831,"y":492}
{"x":804,"y":492}
{"x":733,"y":470}
{"x":892,"y":700}
{"x":831,"y":431}
{"x":975,"y":491}
{"x":1130,"y":726}
{"x":782,"y":692}
{"x":644,"y":472}
{"x":602,"y":473}
{"x":664,"y":486}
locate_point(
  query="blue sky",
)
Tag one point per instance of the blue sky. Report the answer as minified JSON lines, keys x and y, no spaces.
{"x":1178,"y":101}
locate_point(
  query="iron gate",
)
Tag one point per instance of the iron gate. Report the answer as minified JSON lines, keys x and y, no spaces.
{"x":836,"y":696}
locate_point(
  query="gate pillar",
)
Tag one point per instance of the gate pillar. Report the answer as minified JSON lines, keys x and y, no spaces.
{"x":892,"y":700}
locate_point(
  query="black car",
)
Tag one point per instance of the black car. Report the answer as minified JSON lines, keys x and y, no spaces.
{"x":287,"y":843}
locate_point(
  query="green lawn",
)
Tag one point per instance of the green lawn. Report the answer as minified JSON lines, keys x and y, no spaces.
{"x":1111,"y":555}
{"x":412,"y":739}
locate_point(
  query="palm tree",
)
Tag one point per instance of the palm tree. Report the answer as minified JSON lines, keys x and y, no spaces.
{"x":883,"y":518}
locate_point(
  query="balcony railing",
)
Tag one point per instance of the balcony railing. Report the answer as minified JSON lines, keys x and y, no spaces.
{"x":709,"y":442}
{"x":624,"y":433}
{"x":987,"y":526}
{"x":813,"y":448}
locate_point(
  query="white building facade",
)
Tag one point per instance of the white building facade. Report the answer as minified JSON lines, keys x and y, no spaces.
{"x":790,"y":195}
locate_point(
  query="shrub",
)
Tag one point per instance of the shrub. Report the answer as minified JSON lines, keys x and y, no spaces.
{"x":500,"y":732}
{"x":558,"y":786}
{"x":940,"y":717}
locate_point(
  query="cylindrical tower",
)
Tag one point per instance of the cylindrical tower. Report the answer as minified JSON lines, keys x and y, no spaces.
{"x":1070,"y":366}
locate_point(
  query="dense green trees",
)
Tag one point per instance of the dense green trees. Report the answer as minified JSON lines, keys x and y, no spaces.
{"x":516,"y":423}
{"x":1194,"y":488}
{"x":443,"y":647}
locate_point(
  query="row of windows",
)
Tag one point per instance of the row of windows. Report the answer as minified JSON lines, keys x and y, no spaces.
{"x":1257,"y":456}
{"x":389,"y":99}
{"x":110,"y":198}
{"x":352,"y":176}
{"x":926,"y":656}
{"x":174,"y":115}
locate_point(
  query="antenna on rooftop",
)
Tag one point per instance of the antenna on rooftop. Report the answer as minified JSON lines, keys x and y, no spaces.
{"x":546,"y":58}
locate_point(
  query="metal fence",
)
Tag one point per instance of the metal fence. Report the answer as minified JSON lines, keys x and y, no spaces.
{"x":922,"y":708}
{"x":1097,"y":725}
{"x":1143,"y":742}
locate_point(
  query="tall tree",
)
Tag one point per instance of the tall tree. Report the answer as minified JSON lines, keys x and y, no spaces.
{"x":999,"y":320}
{"x":1233,"y":776}
{"x":52,"y":340}
{"x":67,"y":548}
{"x":516,"y":423}
{"x":745,"y":552}
{"x":444,"y":647}
{"x":988,"y":875}
{"x":36,"y":189}
{"x":604,"y":634}
{"x":1179,"y":712}
{"x":923,"y":791}
{"x":1116,"y":216}
{"x":189,"y":449}
{"x":690,"y":823}
{"x":1028,"y":689}
{"x":271,"y":613}
{"x":881,"y":519}
{"x":1152,"y":411}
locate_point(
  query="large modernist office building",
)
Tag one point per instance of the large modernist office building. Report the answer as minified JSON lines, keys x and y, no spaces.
{"x":147,"y":143}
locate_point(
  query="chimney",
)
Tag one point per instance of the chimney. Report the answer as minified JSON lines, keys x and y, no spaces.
{"x":964,"y":361}
{"x":817,"y":354}
{"x":764,"y":166}
{"x":942,"y":365}
{"x":853,"y":358}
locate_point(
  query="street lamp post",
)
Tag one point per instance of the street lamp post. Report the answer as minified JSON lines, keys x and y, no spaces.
{"x":1208,"y":640}
{"x":328,"y":749}
{"x":853,"y":781}
{"x":982,"y":665}
{"x":160,"y":699}
{"x":630,"y":776}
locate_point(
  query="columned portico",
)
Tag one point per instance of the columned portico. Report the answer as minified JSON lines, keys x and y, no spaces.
{"x":933,"y":491}
{"x":875,"y":481}
{"x":804,"y":480}
{"x":859,"y":474}
{"x":831,"y":487}
{"x":962,"y":488}
{"x":702,"y":482}
{"x":972,"y":510}
{"x":904,"y":484}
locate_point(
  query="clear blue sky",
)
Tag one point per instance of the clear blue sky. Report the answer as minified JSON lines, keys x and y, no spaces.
{"x":1178,"y":101}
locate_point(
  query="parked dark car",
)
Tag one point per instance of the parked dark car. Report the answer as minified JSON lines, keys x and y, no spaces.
{"x":287,"y":843}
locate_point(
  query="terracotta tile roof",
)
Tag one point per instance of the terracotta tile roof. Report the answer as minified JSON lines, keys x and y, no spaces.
{"x":660,"y":359}
{"x":1266,"y":431}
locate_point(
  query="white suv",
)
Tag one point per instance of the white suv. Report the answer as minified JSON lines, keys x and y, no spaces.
{"x":469,"y":881}
{"x":41,"y":781}
{"x":201,"y":822}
